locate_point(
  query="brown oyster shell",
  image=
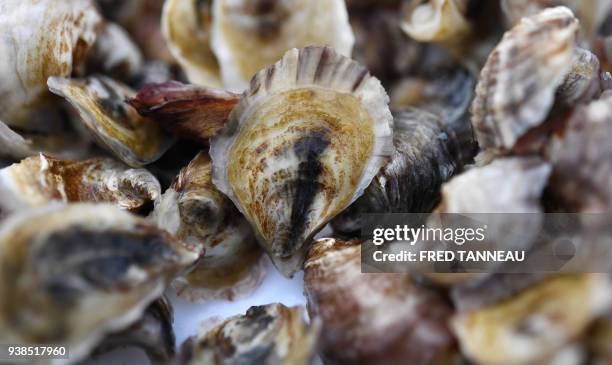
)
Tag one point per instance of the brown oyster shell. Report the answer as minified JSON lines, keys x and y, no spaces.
{"x":196,"y":213}
{"x":187,"y":111}
{"x":372,"y":318}
{"x":535,"y":324}
{"x":268,"y":335}
{"x":303,"y":143}
{"x":37,"y":181}
{"x":72,"y":274}
{"x":517,"y":85}
{"x":115,"y":125}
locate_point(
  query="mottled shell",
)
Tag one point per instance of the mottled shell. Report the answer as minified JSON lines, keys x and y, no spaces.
{"x":437,"y":20}
{"x":248,"y":35}
{"x":517,"y":85}
{"x":584,"y":82}
{"x":72,"y":274}
{"x":372,"y":318}
{"x":37,"y":181}
{"x":303,"y":143}
{"x":266,"y":335}
{"x":533,"y":325}
{"x":115,"y":125}
{"x":187,"y":111}
{"x":196,"y":213}
{"x":186,"y":28}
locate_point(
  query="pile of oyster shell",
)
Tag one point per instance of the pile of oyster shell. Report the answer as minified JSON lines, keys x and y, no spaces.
{"x":148,"y":145}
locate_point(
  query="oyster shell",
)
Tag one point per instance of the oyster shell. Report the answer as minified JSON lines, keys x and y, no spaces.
{"x":187,"y":111}
{"x":248,"y":35}
{"x":75,"y":273}
{"x":12,"y":144}
{"x":268,"y":335}
{"x":372,"y":318}
{"x":437,"y":20}
{"x":37,"y":181}
{"x":153,"y":333}
{"x":55,"y":46}
{"x":516,"y":90}
{"x":116,"y":126}
{"x":196,"y":213}
{"x":186,"y":27}
{"x":584,"y":82}
{"x":303,"y":143}
{"x":428,"y":152}
{"x":599,"y":340}
{"x":535,"y":324}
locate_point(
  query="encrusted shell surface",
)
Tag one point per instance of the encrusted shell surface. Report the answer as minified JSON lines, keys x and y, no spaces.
{"x":186,"y":28}
{"x":536,"y":323}
{"x":188,"y":111}
{"x":372,"y":318}
{"x":437,"y":20}
{"x":303,"y":143}
{"x":39,"y":39}
{"x":268,"y":335}
{"x":517,"y":85}
{"x":39,"y":180}
{"x":75,"y":273}
{"x":248,"y":35}
{"x":196,"y":213}
{"x":116,"y":126}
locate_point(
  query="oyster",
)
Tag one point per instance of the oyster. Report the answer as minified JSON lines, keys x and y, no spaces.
{"x":584,"y":82}
{"x":268,"y":335}
{"x":12,"y":144}
{"x":248,"y":35}
{"x":428,"y":152}
{"x":372,"y":318}
{"x":153,"y":333}
{"x":516,"y":90}
{"x":36,"y":181}
{"x":187,"y":111}
{"x":599,"y":339}
{"x":117,"y":127}
{"x":75,"y":273}
{"x":533,"y":325}
{"x":303,"y":143}
{"x":437,"y":20}
{"x":186,"y":27}
{"x":39,"y":39}
{"x":196,"y":213}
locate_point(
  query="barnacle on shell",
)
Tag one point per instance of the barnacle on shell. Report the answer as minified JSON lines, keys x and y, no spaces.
{"x":187,"y":111}
{"x":372,"y":318}
{"x":39,"y":180}
{"x":303,"y":143}
{"x":270,"y":334}
{"x":196,"y":213}
{"x":117,"y":126}
{"x":75,"y":273}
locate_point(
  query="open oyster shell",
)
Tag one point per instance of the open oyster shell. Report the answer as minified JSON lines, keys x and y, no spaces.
{"x":116,"y":126}
{"x":268,"y":335}
{"x":303,"y":143}
{"x":39,"y":39}
{"x":196,"y":213}
{"x":437,"y":20}
{"x":72,"y":274}
{"x":248,"y":35}
{"x":36,"y":181}
{"x":372,"y":318}
{"x":187,"y":111}
{"x":532,"y":326}
{"x":517,"y":85}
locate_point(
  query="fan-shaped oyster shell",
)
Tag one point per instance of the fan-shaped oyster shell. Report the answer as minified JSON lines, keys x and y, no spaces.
{"x":303,"y":143}
{"x":517,"y":85}
{"x":101,"y":104}
{"x":533,"y":325}
{"x":39,"y":39}
{"x":372,"y":318}
{"x":196,"y":213}
{"x":72,"y":274}
{"x":248,"y":35}
{"x":36,"y":181}
{"x":437,"y":20}
{"x":268,"y":335}
{"x":187,"y":111}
